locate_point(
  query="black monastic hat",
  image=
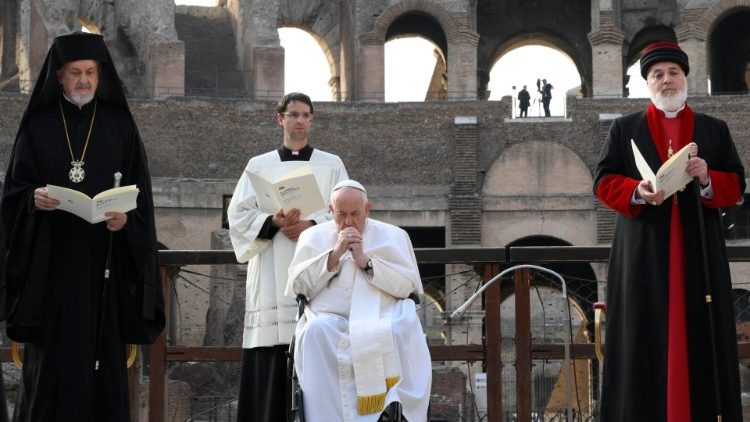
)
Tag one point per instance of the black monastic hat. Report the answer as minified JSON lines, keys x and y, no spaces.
{"x":79,"y":46}
{"x":663,"y":51}
{"x":71,"y":47}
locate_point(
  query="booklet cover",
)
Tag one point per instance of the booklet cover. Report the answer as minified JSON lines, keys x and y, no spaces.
{"x":671,"y":176}
{"x":296,"y":189}
{"x":120,"y":199}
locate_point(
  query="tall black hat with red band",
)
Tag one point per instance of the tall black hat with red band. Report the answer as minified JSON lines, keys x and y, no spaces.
{"x":664,"y":51}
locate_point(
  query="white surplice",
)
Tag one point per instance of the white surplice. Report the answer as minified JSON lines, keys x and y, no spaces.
{"x":269,"y":314}
{"x":337,"y":339}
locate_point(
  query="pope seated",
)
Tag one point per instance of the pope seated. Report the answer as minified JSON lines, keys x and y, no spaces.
{"x":360,"y":344}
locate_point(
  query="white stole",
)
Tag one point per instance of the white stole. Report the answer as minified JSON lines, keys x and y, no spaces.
{"x":373,"y":350}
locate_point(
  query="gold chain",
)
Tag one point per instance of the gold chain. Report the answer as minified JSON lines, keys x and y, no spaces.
{"x":88,"y":137}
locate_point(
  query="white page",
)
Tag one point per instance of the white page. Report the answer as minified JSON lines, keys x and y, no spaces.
{"x":295,"y":189}
{"x":264,"y":193}
{"x":71,"y":201}
{"x":643,"y":167}
{"x":671,"y":176}
{"x":121,"y":199}
{"x":301,"y":192}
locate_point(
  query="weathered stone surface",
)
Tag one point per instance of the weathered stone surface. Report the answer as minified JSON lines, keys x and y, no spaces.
{"x":601,"y":37}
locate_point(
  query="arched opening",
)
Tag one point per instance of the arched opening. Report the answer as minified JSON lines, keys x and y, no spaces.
{"x":211,"y":61}
{"x":413,"y":71}
{"x":415,"y":64}
{"x":306,"y":67}
{"x":729,"y":53}
{"x":636,"y":86}
{"x":579,"y":277}
{"x":553,"y":319}
{"x":528,"y":65}
{"x":433,"y":282}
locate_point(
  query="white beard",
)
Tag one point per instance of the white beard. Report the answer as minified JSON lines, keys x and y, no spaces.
{"x":81,"y":99}
{"x":670,"y":103}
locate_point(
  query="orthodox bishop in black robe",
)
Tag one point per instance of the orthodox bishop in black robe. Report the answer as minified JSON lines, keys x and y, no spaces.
{"x":658,"y":362}
{"x":57,"y":300}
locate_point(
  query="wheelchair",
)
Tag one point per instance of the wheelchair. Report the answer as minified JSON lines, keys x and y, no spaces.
{"x":392,"y":413}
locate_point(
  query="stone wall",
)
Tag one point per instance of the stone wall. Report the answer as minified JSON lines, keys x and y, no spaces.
{"x":403,"y":152}
{"x":389,"y":144}
{"x":601,"y":37}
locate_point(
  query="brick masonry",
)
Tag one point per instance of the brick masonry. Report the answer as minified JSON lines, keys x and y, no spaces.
{"x":381,"y":144}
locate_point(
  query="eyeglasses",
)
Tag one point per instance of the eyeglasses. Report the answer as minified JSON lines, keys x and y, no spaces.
{"x":296,"y":115}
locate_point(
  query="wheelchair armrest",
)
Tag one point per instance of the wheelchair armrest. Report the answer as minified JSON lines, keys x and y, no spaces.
{"x":302,"y":302}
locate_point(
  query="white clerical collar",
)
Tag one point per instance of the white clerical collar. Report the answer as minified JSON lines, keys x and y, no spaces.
{"x":672,"y":114}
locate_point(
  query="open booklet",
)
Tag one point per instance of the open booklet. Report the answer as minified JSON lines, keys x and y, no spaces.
{"x":296,"y":189}
{"x":671,"y":176}
{"x":120,"y":199}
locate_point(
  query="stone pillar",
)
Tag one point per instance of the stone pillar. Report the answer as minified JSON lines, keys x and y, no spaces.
{"x":32,"y":44}
{"x":167,"y":67}
{"x":371,"y":72}
{"x":8,"y":67}
{"x":698,"y":77}
{"x":691,"y":35}
{"x":335,"y":83}
{"x":268,"y":72}
{"x":462,"y":67}
{"x":606,"y":61}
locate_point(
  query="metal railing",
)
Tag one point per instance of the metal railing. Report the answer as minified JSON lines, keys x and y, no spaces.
{"x":487,"y":261}
{"x":490,"y":261}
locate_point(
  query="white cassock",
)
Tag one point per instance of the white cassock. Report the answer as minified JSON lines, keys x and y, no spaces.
{"x":270,"y":316}
{"x":360,"y":345}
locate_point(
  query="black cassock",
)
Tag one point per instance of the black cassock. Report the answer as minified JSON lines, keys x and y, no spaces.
{"x":634,"y":386}
{"x":56,"y":264}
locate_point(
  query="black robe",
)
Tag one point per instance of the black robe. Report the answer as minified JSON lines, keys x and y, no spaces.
{"x":635,"y":364}
{"x":56,"y":261}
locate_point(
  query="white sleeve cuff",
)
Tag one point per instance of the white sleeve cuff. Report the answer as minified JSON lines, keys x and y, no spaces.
{"x":708,"y":191}
{"x":636,"y":201}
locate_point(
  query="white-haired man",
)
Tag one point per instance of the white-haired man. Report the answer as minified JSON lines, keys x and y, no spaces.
{"x":360,"y":344}
{"x":659,"y":363}
{"x":77,"y":132}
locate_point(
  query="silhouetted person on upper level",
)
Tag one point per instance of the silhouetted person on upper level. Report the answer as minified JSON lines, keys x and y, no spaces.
{"x":524,"y":102}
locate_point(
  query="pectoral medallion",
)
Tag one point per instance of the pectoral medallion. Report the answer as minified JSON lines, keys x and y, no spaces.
{"x":76,"y":173}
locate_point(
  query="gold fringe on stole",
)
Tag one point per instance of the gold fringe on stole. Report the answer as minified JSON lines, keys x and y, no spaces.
{"x":375,"y":402}
{"x":370,"y":404}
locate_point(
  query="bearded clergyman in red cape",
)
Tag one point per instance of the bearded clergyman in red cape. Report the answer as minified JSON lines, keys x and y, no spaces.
{"x":659,"y":364}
